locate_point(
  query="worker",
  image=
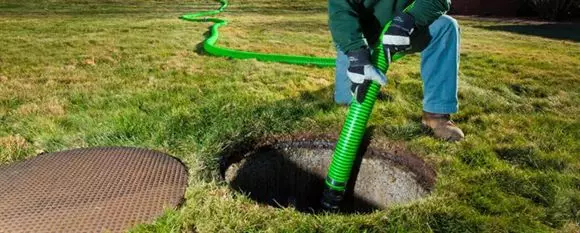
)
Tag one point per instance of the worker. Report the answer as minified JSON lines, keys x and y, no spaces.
{"x":356,"y":26}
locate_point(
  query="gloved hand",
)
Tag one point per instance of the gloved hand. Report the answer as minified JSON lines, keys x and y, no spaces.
{"x":397,"y":38}
{"x":361,"y":73}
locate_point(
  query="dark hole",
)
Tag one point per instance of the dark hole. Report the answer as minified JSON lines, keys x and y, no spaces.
{"x":291,"y":174}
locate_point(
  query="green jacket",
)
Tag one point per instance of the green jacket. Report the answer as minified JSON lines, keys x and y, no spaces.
{"x":352,"y":20}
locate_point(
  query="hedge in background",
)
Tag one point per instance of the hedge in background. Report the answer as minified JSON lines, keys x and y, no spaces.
{"x":554,"y":9}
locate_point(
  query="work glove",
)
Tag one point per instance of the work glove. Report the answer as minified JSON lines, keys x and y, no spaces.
{"x":397,"y":38}
{"x":361,"y":73}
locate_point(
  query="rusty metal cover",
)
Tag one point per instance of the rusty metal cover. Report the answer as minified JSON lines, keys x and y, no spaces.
{"x":89,"y":190}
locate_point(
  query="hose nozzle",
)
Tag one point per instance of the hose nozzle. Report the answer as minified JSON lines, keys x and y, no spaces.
{"x":331,"y":200}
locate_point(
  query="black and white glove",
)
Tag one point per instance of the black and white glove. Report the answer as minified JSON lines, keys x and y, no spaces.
{"x":361,"y":73}
{"x":397,"y":38}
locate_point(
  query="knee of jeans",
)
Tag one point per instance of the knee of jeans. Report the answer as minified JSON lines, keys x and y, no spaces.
{"x":448,"y":21}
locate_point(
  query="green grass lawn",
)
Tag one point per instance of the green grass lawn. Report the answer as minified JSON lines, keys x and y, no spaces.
{"x":83,"y":73}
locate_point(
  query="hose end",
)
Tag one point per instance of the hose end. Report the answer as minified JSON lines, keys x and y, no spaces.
{"x":331,"y":200}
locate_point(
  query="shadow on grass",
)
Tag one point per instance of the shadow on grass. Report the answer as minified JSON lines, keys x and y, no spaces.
{"x":241,"y":119}
{"x":558,"y":31}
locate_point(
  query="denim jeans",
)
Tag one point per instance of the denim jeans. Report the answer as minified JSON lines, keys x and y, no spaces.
{"x":439,"y":69}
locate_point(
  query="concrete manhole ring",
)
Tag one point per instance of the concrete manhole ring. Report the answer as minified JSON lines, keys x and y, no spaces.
{"x":89,"y":190}
{"x":289,"y":171}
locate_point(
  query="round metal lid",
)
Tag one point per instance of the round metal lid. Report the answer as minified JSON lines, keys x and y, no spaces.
{"x":89,"y":190}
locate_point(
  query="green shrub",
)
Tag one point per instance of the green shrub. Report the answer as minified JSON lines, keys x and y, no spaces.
{"x":554,"y":9}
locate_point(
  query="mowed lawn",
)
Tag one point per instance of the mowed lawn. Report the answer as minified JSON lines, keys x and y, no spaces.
{"x":84,"y":73}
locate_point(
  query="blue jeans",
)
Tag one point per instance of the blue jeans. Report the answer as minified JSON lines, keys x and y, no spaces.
{"x":439,"y":69}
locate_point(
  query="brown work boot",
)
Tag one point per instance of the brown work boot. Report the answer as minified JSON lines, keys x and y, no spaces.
{"x":442,"y":126}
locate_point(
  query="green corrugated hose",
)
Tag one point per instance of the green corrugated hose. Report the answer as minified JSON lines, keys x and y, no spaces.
{"x":353,"y":132}
{"x":210,"y":47}
{"x":358,"y":115}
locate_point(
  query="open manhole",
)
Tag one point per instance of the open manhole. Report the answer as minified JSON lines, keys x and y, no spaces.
{"x":89,"y":190}
{"x":289,"y":171}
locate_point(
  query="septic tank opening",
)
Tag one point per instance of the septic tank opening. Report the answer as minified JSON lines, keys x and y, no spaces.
{"x":290,"y":172}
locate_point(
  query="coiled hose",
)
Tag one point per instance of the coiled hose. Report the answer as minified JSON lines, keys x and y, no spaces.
{"x":210,"y":47}
{"x":358,"y":115}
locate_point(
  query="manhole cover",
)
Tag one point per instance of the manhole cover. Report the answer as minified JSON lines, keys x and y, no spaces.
{"x":89,"y":190}
{"x":290,"y":172}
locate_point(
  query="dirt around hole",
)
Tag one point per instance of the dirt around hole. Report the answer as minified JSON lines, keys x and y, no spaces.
{"x":290,"y":171}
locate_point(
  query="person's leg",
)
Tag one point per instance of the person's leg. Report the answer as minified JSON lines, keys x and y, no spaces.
{"x":342,"y":84}
{"x":440,"y":67}
{"x":440,"y":71}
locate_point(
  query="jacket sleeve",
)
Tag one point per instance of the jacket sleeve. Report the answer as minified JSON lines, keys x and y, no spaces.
{"x":345,"y":26}
{"x":427,"y":11}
